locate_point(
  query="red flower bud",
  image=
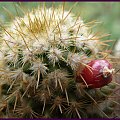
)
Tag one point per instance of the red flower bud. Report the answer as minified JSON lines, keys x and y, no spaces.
{"x":96,"y":74}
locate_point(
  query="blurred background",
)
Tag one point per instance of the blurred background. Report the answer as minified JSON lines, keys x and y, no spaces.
{"x":107,"y":13}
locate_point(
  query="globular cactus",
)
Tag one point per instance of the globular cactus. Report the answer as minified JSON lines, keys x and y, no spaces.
{"x":40,"y":57}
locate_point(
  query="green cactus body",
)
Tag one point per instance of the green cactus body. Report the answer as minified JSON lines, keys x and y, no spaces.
{"x":40,"y":54}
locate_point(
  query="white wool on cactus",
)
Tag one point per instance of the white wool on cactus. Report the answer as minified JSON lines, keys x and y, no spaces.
{"x":44,"y":28}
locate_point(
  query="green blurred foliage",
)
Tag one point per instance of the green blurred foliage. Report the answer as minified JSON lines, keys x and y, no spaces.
{"x":107,"y":13}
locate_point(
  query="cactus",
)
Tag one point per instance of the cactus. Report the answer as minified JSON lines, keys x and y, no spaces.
{"x":39,"y":57}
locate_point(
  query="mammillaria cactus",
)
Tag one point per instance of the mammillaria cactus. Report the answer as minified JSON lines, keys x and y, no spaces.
{"x":40,"y":55}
